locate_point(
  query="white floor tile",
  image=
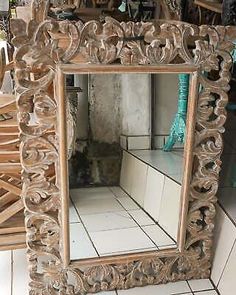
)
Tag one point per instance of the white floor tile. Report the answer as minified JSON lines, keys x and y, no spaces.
{"x":170,"y":206}
{"x":73,"y":216}
{"x":5,"y":272}
{"x":91,"y":193}
{"x":225,"y":235}
{"x":141,"y":217}
{"x":128,"y":203}
{"x":20,"y":273}
{"x":80,"y":244}
{"x":168,"y":289}
{"x":227,"y":285}
{"x":120,"y":240}
{"x":199,"y":285}
{"x":92,"y":206}
{"x":139,"y":181}
{"x":134,"y":251}
{"x":153,"y":193}
{"x":108,"y":221}
{"x":118,"y":192}
{"x":157,"y":235}
{"x":126,"y":175}
{"x":105,"y":293}
{"x":212,"y":292}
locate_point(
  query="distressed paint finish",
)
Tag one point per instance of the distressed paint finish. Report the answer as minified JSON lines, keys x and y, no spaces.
{"x":136,"y":100}
{"x":37,"y":56}
{"x":104,"y":107}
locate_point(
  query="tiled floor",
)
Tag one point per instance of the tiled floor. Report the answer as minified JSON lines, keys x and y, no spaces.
{"x":14,"y":280}
{"x":106,"y":221}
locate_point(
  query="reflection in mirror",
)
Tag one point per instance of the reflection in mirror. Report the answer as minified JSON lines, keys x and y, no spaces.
{"x":124,"y":188}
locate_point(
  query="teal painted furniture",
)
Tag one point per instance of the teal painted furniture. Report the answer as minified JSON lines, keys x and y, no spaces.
{"x":177,"y":131}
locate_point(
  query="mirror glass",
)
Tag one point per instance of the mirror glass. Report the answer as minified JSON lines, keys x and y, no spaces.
{"x":126,"y":136}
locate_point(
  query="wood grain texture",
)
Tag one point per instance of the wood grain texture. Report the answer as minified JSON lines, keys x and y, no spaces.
{"x":38,"y":54}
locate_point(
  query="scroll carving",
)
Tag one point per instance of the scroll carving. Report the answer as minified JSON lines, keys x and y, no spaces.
{"x":38,"y":53}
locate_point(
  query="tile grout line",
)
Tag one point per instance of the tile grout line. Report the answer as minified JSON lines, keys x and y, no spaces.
{"x":204,"y":290}
{"x":12,"y":272}
{"x":134,"y":219}
{"x":155,"y":223}
{"x":234,"y":245}
{"x":215,"y":288}
{"x":164,"y":182}
{"x":140,"y":208}
{"x":136,"y":222}
{"x":84,"y":227}
{"x":189,"y":287}
{"x":130,"y":251}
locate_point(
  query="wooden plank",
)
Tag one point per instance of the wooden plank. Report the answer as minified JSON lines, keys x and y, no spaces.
{"x":111,"y":69}
{"x":7,"y":139}
{"x":165,"y":10}
{"x":8,"y":131}
{"x":10,"y":146}
{"x":13,"y":247}
{"x":5,"y":156}
{"x":12,"y":230}
{"x":7,"y":108}
{"x":212,"y":6}
{"x":8,"y":186}
{"x":13,"y":225}
{"x":7,"y":98}
{"x":10,"y":168}
{"x":7,"y":198}
{"x":16,"y":238}
{"x":9,"y":123}
{"x":11,"y":210}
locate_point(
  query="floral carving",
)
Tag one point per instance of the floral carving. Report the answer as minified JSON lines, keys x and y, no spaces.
{"x":39,"y":51}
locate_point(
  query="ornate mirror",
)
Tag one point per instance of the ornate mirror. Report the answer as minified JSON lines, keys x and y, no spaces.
{"x":112,"y":199}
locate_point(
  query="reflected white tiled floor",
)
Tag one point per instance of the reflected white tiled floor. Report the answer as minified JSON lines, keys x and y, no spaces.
{"x":158,"y":235}
{"x":109,"y":222}
{"x":141,"y":217}
{"x":14,"y":280}
{"x":102,"y":221}
{"x":121,"y":240}
{"x":80,"y":244}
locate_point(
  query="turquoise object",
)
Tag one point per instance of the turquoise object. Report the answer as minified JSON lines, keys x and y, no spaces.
{"x":234,"y":52}
{"x":177,"y":131}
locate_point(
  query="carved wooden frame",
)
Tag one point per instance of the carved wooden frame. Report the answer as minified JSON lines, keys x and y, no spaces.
{"x":42,"y":48}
